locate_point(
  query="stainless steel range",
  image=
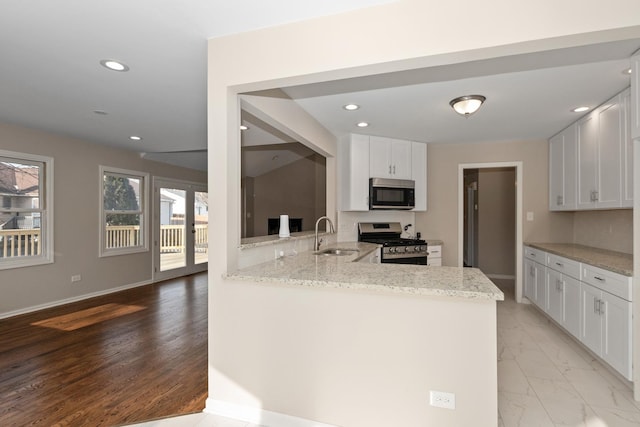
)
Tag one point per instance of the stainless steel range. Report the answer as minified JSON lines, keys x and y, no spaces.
{"x":394,"y":248}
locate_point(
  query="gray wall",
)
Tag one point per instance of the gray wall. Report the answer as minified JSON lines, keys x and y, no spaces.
{"x":76,"y":222}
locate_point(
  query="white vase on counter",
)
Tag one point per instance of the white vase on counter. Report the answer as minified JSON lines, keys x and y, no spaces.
{"x":284,"y":226}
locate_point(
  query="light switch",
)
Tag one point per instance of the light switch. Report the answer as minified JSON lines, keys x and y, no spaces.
{"x":529,"y":216}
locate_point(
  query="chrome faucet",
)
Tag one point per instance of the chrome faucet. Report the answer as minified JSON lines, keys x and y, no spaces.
{"x":316,"y":242}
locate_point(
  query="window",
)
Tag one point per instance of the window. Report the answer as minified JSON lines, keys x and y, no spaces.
{"x":123,"y":211}
{"x":26,"y":218}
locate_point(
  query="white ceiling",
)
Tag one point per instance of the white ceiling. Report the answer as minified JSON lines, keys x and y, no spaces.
{"x":50,"y":78}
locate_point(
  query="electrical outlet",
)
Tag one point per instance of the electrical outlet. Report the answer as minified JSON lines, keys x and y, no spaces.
{"x":76,"y":278}
{"x":529,"y":216}
{"x":442,"y":399}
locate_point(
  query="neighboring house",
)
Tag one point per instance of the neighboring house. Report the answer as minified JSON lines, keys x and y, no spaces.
{"x":19,"y":190}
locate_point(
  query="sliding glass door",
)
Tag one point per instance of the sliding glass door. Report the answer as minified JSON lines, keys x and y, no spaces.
{"x":181,"y":215}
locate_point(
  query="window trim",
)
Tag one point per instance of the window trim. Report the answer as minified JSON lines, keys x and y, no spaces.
{"x":46,"y":213}
{"x":145,"y":214}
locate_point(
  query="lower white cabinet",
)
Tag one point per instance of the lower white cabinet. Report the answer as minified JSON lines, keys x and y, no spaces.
{"x":592,"y":304}
{"x":606,"y":327}
{"x":372,"y":258}
{"x":435,"y":256}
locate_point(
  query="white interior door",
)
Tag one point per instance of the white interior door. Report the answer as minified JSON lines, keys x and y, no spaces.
{"x":180,"y":219}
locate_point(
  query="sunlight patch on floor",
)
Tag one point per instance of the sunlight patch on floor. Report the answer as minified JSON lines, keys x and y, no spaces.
{"x":88,"y":317}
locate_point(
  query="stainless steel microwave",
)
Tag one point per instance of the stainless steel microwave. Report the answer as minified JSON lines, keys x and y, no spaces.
{"x":391,"y":194}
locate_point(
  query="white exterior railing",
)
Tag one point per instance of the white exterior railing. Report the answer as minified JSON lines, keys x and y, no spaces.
{"x":26,"y":242}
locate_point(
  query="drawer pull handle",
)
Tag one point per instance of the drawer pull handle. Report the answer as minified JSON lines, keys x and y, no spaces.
{"x":559,"y":264}
{"x":599,"y":278}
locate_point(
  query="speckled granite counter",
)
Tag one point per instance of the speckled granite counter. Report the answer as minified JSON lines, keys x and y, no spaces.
{"x":310,"y":270}
{"x":609,"y":260}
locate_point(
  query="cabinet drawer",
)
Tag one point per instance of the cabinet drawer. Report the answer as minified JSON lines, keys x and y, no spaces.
{"x":534,"y":254}
{"x":608,"y":281}
{"x":564,"y":265}
{"x":434,"y":262}
{"x":435,"y":251}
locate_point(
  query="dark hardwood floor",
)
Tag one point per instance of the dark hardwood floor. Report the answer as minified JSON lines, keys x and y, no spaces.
{"x":122,"y":358}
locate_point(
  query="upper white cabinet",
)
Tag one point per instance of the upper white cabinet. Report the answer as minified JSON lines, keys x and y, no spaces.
{"x":419,"y":174}
{"x":592,"y":160}
{"x":361,"y":157}
{"x":353,"y":173}
{"x":389,"y":158}
{"x":635,"y":96}
{"x":562,"y":170}
{"x":627,"y":153}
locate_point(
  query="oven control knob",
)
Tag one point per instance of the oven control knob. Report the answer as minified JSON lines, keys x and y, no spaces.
{"x":392,"y":250}
{"x":416,"y":248}
{"x":407,"y":249}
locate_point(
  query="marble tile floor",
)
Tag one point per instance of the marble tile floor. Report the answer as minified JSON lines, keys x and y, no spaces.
{"x":545,"y":379}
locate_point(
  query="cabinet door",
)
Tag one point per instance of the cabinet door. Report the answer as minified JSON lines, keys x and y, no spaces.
{"x":556,"y":173}
{"x":591,"y":333}
{"x":627,"y":152}
{"x":570,"y":166}
{"x":635,"y":96}
{"x":555,"y":289}
{"x":587,"y":144}
{"x":530,"y":280}
{"x":380,"y":157}
{"x":610,"y":133}
{"x":401,"y":159}
{"x":353,"y":173}
{"x":541,"y":286}
{"x":571,"y":319}
{"x":616,"y":338}
{"x":419,"y":174}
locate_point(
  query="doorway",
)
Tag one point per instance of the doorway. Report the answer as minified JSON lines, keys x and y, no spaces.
{"x":181,"y":219}
{"x":490,"y":222}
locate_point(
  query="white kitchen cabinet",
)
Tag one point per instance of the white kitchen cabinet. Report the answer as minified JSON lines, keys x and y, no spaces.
{"x":610,"y":136}
{"x":562,"y":170}
{"x":419,"y":174}
{"x":555,"y":290}
{"x":389,"y":158}
{"x":599,"y":146}
{"x":627,"y":152}
{"x":541,"y":287}
{"x":530,"y":280}
{"x":635,"y":96}
{"x":434,"y":258}
{"x":571,"y":319}
{"x":372,"y":258}
{"x":587,"y":152}
{"x":606,"y":327}
{"x":353,"y":173}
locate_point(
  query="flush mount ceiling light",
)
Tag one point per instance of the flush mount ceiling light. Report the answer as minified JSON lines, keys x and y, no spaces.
{"x":243,"y":127}
{"x":351,"y":107}
{"x":362,"y":124}
{"x":627,"y":71}
{"x":467,"y":105}
{"x":114,"y":65}
{"x":580,"y":109}
{"x":135,"y":138}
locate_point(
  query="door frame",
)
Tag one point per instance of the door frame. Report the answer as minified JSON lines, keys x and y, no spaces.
{"x":190,"y":187}
{"x":461,"y":194}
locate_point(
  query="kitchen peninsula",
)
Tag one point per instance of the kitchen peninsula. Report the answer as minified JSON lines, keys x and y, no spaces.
{"x":364,"y":343}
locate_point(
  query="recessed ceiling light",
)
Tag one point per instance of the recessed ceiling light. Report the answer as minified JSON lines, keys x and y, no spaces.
{"x":100,"y":112}
{"x":351,"y":107}
{"x":362,"y":124}
{"x":243,"y":127}
{"x":627,"y":71}
{"x":580,"y":109}
{"x":114,"y":65}
{"x":135,"y":138}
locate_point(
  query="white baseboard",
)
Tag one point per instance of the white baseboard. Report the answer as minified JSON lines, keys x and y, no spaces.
{"x":501,"y":276}
{"x":257,"y":415}
{"x":73,"y":299}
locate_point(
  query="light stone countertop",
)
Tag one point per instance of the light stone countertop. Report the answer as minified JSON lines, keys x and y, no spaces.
{"x":321,"y":271}
{"x":617,"y":262}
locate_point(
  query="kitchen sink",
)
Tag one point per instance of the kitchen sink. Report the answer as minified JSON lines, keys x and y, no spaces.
{"x":337,"y":252}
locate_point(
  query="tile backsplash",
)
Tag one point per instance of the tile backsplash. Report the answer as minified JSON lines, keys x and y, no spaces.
{"x":611,"y":229}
